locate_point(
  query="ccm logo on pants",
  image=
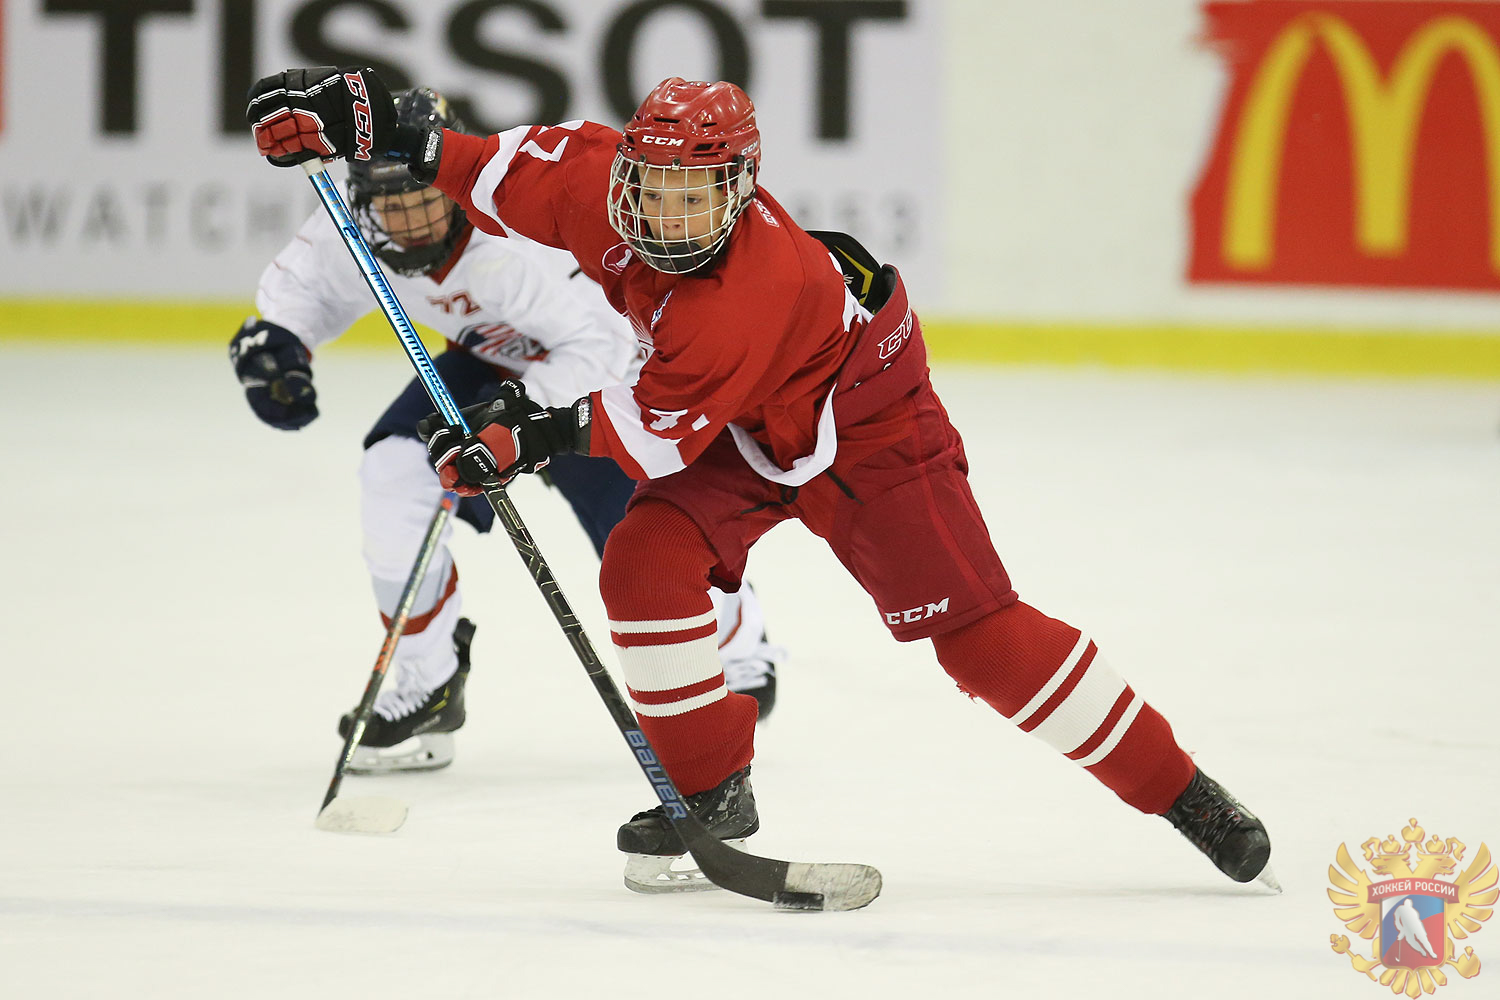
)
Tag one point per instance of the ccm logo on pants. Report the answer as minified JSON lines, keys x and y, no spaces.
{"x":916,"y":614}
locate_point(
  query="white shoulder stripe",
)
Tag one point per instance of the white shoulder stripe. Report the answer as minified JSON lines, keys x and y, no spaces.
{"x":493,"y":172}
{"x":656,"y":456}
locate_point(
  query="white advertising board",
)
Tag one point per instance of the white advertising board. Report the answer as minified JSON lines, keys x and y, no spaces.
{"x":126,"y":169}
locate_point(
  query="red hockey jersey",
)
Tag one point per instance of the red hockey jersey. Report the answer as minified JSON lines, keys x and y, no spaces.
{"x":755,"y":344}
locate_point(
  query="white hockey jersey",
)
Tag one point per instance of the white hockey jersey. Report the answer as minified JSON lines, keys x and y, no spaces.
{"x":509,"y":301}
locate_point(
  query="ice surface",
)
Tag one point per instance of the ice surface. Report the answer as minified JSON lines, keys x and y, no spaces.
{"x":1303,"y":575}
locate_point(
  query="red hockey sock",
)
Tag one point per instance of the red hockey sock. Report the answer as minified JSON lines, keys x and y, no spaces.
{"x":1047,"y":678}
{"x":654,"y":581}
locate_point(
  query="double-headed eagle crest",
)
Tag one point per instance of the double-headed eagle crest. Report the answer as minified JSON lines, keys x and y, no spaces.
{"x":1413,"y":916}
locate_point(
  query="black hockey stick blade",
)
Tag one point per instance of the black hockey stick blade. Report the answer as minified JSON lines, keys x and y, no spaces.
{"x":787,"y":885}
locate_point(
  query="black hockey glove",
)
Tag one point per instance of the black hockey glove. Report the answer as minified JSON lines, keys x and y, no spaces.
{"x":509,"y":435}
{"x":276,"y":371}
{"x":300,"y":114}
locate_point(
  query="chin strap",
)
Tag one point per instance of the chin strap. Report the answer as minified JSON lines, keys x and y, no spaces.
{"x":668,"y":258}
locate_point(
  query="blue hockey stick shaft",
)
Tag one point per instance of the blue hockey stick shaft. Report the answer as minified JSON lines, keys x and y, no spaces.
{"x":333,"y":202}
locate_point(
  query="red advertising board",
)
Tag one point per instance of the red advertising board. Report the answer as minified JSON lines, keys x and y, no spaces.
{"x":1358,"y":144}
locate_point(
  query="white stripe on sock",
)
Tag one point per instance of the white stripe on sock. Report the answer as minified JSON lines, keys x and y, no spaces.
{"x":1084,"y":710}
{"x":1040,"y":698}
{"x":1115,"y":735}
{"x":675,"y":665}
{"x":662,"y":624}
{"x":685,"y":705}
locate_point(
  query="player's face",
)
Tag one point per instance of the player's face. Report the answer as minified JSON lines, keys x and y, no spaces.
{"x":682,"y":205}
{"x":414,"y":218}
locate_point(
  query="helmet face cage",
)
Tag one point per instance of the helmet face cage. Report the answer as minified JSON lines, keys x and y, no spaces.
{"x":412,"y":229}
{"x":677,"y":218}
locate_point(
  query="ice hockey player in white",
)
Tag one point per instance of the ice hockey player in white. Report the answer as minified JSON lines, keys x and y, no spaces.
{"x":509,"y":308}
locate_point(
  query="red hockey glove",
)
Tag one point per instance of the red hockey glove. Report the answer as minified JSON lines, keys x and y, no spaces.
{"x":509,"y":435}
{"x":300,"y":114}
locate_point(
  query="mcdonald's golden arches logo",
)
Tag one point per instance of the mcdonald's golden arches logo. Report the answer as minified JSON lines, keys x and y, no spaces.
{"x":1359,"y":144}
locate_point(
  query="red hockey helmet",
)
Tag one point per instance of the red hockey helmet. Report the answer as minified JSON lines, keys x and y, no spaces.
{"x":684,"y":171}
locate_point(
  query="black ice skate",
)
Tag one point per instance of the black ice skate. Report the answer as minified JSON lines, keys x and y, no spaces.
{"x":727,"y":809}
{"x":755,"y":675}
{"x":420,"y":739}
{"x":1228,"y":833}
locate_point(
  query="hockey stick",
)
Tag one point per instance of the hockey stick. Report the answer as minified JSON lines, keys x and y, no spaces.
{"x":377,"y":813}
{"x":788,"y":885}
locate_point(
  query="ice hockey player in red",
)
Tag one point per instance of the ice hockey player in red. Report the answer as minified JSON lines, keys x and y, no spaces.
{"x":787,"y":378}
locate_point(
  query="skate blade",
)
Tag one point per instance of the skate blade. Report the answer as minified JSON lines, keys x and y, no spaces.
{"x":362,"y":814}
{"x":655,"y":873}
{"x":426,"y":752}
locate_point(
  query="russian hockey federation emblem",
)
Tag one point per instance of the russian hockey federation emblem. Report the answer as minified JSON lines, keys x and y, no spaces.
{"x":1410,"y":911}
{"x":616,"y":257}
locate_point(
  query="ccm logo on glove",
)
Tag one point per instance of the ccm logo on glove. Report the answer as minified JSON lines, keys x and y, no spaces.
{"x":364,"y":125}
{"x":507,"y":436}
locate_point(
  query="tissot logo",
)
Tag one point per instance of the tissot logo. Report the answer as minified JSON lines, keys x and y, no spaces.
{"x":165,"y":83}
{"x":317,"y":31}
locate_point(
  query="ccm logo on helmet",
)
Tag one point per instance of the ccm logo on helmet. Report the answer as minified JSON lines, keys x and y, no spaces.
{"x":364,"y":125}
{"x":660,"y":140}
